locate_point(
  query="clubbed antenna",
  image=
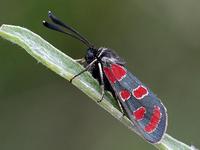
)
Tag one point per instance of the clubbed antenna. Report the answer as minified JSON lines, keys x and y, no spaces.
{"x":72,"y":32}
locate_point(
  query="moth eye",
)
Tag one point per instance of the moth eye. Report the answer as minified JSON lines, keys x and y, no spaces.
{"x":90,"y":56}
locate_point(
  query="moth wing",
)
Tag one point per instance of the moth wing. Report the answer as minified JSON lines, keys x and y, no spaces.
{"x":143,"y":107}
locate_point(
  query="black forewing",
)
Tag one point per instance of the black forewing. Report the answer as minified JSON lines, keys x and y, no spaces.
{"x":129,"y":83}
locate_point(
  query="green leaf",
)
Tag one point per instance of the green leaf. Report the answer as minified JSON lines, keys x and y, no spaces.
{"x":66,"y":67}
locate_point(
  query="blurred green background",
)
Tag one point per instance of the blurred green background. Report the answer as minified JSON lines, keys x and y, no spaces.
{"x":160,"y":40}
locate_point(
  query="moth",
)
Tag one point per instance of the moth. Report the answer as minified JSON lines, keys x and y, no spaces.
{"x":145,"y":110}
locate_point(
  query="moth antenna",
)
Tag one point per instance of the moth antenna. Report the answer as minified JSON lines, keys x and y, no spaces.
{"x":59,"y":22}
{"x":56,"y":28}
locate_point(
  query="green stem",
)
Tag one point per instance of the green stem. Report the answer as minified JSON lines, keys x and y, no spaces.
{"x":66,"y":67}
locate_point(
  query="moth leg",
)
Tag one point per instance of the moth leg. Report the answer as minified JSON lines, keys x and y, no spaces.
{"x":101,"y":83}
{"x":120,"y":106}
{"x":86,"y":68}
{"x":81,"y":60}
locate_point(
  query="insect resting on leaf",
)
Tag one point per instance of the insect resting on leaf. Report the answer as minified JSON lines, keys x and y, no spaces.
{"x":142,"y":106}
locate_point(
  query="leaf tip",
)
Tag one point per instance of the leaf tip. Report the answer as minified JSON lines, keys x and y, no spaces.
{"x":3,"y":26}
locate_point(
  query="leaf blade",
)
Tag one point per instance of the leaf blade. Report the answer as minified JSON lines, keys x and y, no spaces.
{"x":66,"y":67}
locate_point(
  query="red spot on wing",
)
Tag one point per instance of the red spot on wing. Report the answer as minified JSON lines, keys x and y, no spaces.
{"x":154,"y":121}
{"x":125,"y":95}
{"x":139,"y":113}
{"x":109,"y":74}
{"x":140,"y":92}
{"x":118,"y":71}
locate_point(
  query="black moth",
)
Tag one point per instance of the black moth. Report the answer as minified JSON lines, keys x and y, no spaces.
{"x":141,"y":105}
